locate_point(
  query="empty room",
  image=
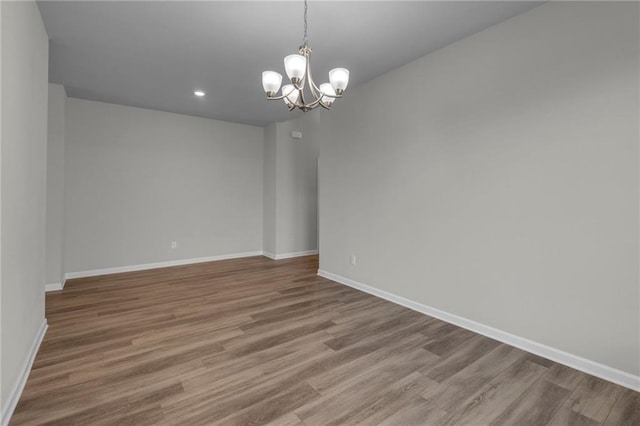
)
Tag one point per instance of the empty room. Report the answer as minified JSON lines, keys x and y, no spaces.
{"x":314,"y":212}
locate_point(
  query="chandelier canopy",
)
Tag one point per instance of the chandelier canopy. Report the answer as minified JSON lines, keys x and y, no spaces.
{"x":298,"y":69}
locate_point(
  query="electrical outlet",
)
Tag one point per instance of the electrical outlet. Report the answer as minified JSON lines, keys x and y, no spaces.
{"x":174,"y":244}
{"x":352,"y":259}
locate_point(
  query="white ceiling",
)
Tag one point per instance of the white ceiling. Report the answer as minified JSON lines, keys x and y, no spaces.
{"x":154,"y":54}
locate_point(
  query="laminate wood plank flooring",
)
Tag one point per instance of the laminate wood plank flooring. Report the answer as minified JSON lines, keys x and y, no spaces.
{"x":256,"y":341}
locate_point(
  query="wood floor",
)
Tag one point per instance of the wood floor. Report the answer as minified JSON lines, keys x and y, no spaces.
{"x":255,"y":341}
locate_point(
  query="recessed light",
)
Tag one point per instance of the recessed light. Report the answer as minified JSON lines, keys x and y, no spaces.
{"x":199,"y":93}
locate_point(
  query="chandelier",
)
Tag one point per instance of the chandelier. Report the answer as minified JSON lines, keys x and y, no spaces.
{"x":298,"y":68}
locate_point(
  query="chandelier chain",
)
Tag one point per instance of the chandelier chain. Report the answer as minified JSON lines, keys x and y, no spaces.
{"x":304,"y":39}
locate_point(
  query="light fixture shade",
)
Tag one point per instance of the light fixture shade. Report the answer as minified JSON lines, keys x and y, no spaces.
{"x":327,"y":90}
{"x":271,"y":81}
{"x":295,"y":65}
{"x":339,"y":78}
{"x":290,"y":94}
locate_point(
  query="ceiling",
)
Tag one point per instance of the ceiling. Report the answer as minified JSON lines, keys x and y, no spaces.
{"x":155,"y":54}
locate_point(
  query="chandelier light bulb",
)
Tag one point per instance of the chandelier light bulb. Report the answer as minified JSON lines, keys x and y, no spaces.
{"x":290,"y":94}
{"x":326,"y":89}
{"x":295,"y":66}
{"x":271,"y":82}
{"x":339,"y":78}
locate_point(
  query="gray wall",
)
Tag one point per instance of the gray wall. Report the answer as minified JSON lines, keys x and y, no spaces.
{"x":297,"y":192}
{"x":269,"y":188}
{"x":23,"y":185}
{"x":290,"y":186}
{"x":138,"y":179}
{"x":54,"y":273}
{"x":497,"y":179}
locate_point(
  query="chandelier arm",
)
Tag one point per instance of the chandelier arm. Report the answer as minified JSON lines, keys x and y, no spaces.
{"x":300,"y":85}
{"x":314,"y":103}
{"x":331,"y":96}
{"x":312,"y":85}
{"x":317,"y":92}
{"x":276,"y":98}
{"x":326,"y":95}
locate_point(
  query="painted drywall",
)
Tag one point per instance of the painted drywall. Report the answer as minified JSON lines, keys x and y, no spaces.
{"x":497,"y":179}
{"x":23,"y":167}
{"x":54,"y":273}
{"x":297,"y":188}
{"x":138,"y":179}
{"x":290,"y":186}
{"x":269,"y":166}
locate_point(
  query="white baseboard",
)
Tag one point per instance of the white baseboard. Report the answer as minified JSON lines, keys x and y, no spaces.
{"x":145,"y":266}
{"x":585,"y":365}
{"x":53,"y":287}
{"x":18,"y":387}
{"x":289,"y":255}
